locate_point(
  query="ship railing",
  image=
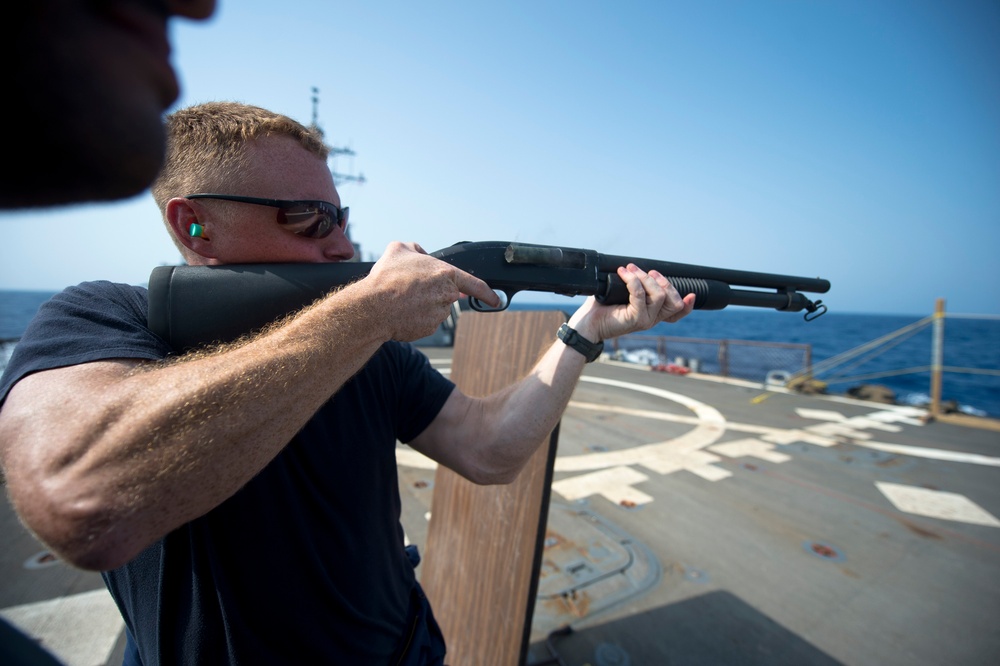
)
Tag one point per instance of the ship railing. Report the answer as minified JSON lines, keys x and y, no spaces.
{"x":840,"y":369}
{"x":751,"y":360}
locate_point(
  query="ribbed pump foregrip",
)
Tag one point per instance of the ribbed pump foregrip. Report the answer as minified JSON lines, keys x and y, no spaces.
{"x":709,"y":294}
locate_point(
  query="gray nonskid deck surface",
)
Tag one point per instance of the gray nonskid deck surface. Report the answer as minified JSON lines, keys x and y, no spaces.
{"x":789,"y":529}
{"x":776,"y":529}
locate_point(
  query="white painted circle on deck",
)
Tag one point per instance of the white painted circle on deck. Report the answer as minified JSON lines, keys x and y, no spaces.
{"x":708,"y":428}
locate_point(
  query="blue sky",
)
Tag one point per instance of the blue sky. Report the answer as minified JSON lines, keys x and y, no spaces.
{"x":856,"y":141}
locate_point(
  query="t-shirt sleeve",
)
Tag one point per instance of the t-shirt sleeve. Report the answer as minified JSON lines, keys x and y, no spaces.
{"x":93,"y":321}
{"x":423,"y":390}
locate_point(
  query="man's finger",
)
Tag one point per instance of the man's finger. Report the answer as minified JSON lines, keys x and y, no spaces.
{"x":632,"y":276}
{"x":651,"y":293}
{"x":473,"y":286}
{"x":687,"y":306}
{"x":657,"y":292}
{"x":660,"y":279}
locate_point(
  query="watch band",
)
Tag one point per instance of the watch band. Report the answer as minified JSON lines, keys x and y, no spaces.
{"x":590,"y":350}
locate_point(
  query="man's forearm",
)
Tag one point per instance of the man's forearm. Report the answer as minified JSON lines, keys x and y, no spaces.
{"x":488,"y":440}
{"x":138,"y":452}
{"x":534,"y":406}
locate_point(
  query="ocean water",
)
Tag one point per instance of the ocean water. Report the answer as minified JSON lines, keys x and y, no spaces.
{"x":972,"y":343}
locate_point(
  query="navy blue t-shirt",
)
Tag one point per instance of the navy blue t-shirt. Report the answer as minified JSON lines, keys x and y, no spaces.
{"x":304,"y":564}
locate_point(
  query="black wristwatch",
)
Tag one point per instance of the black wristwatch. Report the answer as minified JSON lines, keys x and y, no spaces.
{"x":590,"y":350}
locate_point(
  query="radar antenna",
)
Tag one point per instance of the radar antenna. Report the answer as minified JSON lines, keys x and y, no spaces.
{"x":335,"y":151}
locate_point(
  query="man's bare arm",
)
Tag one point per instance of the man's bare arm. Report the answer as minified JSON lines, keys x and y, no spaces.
{"x":488,"y":440}
{"x":104,"y":458}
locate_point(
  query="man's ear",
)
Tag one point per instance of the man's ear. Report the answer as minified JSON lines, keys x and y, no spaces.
{"x":188,"y":222}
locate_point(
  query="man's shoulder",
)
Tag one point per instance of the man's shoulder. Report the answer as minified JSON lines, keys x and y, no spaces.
{"x":104,"y":289}
{"x":91,"y":321}
{"x":97,"y":295}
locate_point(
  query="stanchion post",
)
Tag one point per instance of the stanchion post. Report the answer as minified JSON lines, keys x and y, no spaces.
{"x":937,"y":357}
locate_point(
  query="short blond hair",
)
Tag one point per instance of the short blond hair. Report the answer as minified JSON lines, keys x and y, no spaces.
{"x":206,"y":146}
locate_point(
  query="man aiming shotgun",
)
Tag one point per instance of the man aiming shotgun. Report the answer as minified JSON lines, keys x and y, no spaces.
{"x":242,"y":501}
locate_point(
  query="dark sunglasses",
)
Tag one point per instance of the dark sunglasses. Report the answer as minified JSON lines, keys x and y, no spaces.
{"x":311,"y":219}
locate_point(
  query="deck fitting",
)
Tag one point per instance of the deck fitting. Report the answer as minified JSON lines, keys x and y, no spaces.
{"x":824,"y":551}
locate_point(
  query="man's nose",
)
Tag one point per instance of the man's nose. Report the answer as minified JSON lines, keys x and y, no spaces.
{"x":339,"y":248}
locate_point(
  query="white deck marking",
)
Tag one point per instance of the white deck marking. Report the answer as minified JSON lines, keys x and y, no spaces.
{"x":874,"y":424}
{"x":933,"y":454}
{"x":683,"y":452}
{"x":642,"y":413}
{"x":698,"y":452}
{"x":791,"y":436}
{"x":936,"y":504}
{"x":905,"y":415}
{"x":835,"y":430}
{"x":838,"y":424}
{"x":81,"y":630}
{"x":705,"y":413}
{"x":665,"y":457}
{"x":614,"y":484}
{"x":891,"y":414}
{"x":709,"y":472}
{"x":820,"y":414}
{"x":680,"y":453}
{"x":750,"y":447}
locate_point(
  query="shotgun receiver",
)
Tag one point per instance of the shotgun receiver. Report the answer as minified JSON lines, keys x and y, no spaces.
{"x":194,"y":305}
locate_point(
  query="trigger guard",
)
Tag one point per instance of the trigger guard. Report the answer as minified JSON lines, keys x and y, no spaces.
{"x":479,"y":306}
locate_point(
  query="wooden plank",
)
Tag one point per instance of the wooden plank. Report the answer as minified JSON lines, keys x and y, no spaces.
{"x":484,"y":543}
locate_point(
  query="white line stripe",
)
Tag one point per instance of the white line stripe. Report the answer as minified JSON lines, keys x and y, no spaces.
{"x":628,"y":411}
{"x":933,"y":454}
{"x":705,"y":413}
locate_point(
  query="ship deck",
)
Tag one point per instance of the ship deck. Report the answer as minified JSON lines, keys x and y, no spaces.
{"x":699,"y":521}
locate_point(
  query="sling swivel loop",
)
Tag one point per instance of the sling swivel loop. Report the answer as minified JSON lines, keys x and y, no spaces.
{"x":815,"y":310}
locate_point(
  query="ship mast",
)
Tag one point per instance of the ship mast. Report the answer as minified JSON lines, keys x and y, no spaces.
{"x":338,"y":177}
